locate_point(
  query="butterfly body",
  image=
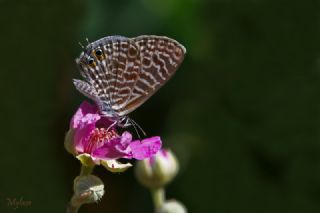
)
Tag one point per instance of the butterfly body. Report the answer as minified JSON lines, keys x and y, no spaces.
{"x":122,"y":73}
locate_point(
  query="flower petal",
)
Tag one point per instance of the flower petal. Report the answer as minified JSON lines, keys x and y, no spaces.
{"x":109,"y":151}
{"x":69,"y":142}
{"x":83,"y":122}
{"x":115,"y":148}
{"x":115,"y":166}
{"x":86,"y":114}
{"x":145,"y":148}
{"x":82,"y":136}
{"x":126,"y":138}
{"x":124,"y":142}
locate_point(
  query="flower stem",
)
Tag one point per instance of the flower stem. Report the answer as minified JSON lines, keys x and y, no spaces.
{"x":86,"y":170}
{"x":158,"y":196}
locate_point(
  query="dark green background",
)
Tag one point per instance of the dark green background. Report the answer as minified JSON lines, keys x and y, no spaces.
{"x":242,"y":112}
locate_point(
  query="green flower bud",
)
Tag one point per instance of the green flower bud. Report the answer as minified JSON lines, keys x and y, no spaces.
{"x":157,"y":171}
{"x":172,"y":206}
{"x":87,"y":189}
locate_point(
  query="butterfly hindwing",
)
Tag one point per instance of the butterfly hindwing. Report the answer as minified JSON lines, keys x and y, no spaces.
{"x":85,"y":88}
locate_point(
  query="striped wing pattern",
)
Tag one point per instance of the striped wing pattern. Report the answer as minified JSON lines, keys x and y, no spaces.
{"x":160,"y":58}
{"x":128,"y":71}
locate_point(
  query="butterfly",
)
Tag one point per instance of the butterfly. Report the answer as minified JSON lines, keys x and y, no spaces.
{"x":121,"y":73}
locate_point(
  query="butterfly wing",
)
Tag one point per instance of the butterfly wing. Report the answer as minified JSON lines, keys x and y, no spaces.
{"x":85,"y":88}
{"x":121,"y":66}
{"x":112,"y":72}
{"x":160,"y":58}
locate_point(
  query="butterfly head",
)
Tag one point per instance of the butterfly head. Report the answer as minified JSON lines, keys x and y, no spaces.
{"x":95,"y":52}
{"x":90,"y":56}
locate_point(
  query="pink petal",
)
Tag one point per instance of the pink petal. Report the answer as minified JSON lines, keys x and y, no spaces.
{"x":82,"y":115}
{"x":115,"y":148}
{"x":89,"y":119}
{"x":145,"y":148}
{"x":123,"y":145}
{"x":110,"y":150}
{"x":81,"y":136}
{"x":126,"y":138}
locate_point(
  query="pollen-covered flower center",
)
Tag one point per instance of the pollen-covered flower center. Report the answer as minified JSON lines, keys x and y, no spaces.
{"x":98,"y":137}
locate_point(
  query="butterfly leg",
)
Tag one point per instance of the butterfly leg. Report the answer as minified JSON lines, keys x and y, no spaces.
{"x":135,"y":124}
{"x":126,"y":122}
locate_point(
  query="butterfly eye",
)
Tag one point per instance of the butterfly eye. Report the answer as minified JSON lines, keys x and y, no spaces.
{"x":98,"y":52}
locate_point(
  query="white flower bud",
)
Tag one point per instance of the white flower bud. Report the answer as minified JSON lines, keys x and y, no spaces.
{"x":157,"y":171}
{"x":87,"y":189}
{"x":172,"y":206}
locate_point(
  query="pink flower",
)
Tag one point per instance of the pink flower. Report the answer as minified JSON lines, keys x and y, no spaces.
{"x":89,"y":140}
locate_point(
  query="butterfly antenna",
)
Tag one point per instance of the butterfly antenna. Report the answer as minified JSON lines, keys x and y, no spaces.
{"x":87,"y":40}
{"x":136,"y":124}
{"x":81,"y":45}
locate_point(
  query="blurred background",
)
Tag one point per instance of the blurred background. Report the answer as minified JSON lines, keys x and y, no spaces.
{"x":241,"y":113}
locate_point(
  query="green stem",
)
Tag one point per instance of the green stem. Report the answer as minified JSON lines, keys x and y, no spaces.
{"x":158,"y":196}
{"x":86,"y":170}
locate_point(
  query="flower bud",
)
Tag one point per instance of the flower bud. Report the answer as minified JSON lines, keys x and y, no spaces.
{"x":87,"y":189}
{"x":157,"y":171}
{"x":172,"y":206}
